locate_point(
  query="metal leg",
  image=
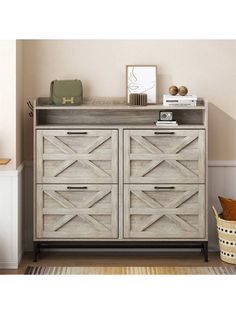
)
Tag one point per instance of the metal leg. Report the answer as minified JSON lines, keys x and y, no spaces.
{"x":202,"y":245}
{"x":205,"y":251}
{"x":36,"y":251}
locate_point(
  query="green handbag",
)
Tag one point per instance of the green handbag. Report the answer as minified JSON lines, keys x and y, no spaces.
{"x":66,"y":92}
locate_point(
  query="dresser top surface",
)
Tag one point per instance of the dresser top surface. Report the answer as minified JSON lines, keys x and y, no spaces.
{"x":113,"y":104}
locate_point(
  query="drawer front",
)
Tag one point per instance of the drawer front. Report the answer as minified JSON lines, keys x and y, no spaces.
{"x":164,"y":156}
{"x":77,"y":156}
{"x":164,"y":211}
{"x":77,"y":211}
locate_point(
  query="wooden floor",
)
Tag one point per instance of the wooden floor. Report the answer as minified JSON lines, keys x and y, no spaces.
{"x":116,"y":259}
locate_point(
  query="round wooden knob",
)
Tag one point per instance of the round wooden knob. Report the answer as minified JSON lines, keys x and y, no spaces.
{"x":173,"y":90}
{"x":183,"y":90}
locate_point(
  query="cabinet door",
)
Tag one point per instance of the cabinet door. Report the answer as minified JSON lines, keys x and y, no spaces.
{"x":164,"y":156}
{"x":77,"y":211}
{"x":164,"y":211}
{"x":77,"y":156}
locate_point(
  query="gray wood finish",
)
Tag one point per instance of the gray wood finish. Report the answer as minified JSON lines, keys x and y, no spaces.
{"x":164,"y":211}
{"x":109,"y":103}
{"x":119,"y":160}
{"x":113,"y":112}
{"x":176,"y":156}
{"x":67,"y":156}
{"x":77,"y":211}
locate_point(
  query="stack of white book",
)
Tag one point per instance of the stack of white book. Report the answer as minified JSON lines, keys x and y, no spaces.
{"x":166,"y":123}
{"x":188,"y":100}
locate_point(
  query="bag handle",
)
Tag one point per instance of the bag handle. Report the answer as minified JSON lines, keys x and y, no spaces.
{"x":215,"y":212}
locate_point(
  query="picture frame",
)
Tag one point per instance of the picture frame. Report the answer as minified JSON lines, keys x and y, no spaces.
{"x":142,"y":79}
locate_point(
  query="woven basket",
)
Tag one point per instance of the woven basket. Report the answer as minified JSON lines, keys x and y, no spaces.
{"x":227,"y":238}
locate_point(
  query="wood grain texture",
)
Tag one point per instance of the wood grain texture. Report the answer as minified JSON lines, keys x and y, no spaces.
{"x":120,"y":184}
{"x":168,"y":212}
{"x":119,"y":150}
{"x":116,"y":260}
{"x":113,"y":112}
{"x":77,"y":211}
{"x":177,"y":156}
{"x":88,"y":156}
{"x":117,"y":125}
{"x":110,"y":103}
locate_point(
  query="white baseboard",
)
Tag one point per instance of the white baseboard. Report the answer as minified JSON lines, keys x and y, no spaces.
{"x":222,"y":181}
{"x":222,"y":163}
{"x":11,"y":264}
{"x":11,"y":198}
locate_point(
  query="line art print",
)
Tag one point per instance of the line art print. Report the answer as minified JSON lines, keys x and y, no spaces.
{"x":142,"y":79}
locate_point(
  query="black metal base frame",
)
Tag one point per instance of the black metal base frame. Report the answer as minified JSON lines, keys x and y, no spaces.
{"x":202,"y":245}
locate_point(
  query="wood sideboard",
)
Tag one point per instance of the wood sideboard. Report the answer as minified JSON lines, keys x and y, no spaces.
{"x":106,"y":176}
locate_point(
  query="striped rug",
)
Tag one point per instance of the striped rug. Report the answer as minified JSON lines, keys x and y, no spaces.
{"x":41,"y":270}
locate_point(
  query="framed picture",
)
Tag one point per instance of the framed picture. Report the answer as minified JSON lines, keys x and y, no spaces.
{"x":142,"y":79}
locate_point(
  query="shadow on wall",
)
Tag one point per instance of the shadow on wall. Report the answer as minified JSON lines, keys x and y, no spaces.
{"x":222,"y":179}
{"x":27,"y":232}
{"x":222,"y":131}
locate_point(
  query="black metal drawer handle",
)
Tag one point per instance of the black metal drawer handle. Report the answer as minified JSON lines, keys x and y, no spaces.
{"x":160,"y":133}
{"x":164,"y":187}
{"x":72,"y":133}
{"x":77,"y":187}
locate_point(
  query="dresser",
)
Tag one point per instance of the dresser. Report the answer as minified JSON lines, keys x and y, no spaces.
{"x":105,"y":176}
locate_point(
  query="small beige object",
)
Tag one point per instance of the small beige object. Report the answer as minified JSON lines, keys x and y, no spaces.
{"x":227,"y":238}
{"x":183,"y":90}
{"x":173,"y":90}
{"x":138,"y":99}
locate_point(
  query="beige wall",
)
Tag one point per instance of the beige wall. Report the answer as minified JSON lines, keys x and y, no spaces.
{"x":7,"y":101}
{"x":207,"y":68}
{"x":19,"y":103}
